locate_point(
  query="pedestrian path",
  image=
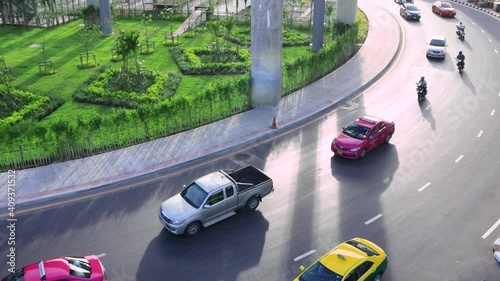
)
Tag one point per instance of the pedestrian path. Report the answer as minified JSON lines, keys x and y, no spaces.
{"x":323,"y":95}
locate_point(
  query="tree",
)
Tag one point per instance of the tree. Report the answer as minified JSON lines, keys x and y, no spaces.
{"x":147,"y":19}
{"x":89,"y":36}
{"x":214,"y":27}
{"x":229,"y":24}
{"x":128,"y":43}
{"x":4,"y":74}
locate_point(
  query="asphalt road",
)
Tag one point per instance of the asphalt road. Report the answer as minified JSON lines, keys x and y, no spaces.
{"x":433,"y":190}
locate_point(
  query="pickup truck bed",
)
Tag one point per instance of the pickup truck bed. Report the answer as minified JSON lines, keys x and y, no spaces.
{"x":248,"y":177}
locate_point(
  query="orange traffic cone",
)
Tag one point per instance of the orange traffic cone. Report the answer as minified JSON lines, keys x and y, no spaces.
{"x":274,"y":125}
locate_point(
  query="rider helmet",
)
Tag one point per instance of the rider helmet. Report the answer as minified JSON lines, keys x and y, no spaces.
{"x":422,"y":78}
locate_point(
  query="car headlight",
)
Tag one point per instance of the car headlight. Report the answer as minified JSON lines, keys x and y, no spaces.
{"x":408,"y":13}
{"x":355,"y":149}
{"x":177,"y":222}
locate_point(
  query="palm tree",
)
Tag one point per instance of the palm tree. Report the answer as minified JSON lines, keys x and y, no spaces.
{"x":214,"y":27}
{"x":229,"y":24}
{"x":128,"y":42}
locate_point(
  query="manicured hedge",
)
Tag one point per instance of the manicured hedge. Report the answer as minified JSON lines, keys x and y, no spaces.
{"x":34,"y":106}
{"x":96,"y":89}
{"x":189,"y":61}
{"x":291,"y":37}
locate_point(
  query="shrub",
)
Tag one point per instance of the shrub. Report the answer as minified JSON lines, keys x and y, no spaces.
{"x":209,"y":62}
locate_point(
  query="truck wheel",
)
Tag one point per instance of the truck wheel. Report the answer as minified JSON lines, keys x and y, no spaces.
{"x":192,"y":229}
{"x":378,"y":277}
{"x":252,"y":203}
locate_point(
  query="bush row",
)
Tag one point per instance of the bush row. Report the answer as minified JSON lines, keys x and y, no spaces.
{"x":31,"y":105}
{"x":242,"y":37}
{"x":189,"y":61}
{"x":96,"y":89}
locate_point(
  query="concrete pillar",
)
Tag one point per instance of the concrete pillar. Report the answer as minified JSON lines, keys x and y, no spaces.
{"x":266,"y":34}
{"x":106,"y":20}
{"x":346,"y":11}
{"x":318,"y":28}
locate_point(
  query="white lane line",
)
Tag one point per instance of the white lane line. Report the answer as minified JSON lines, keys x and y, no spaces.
{"x":489,"y":39}
{"x":304,"y":255}
{"x":429,"y":106}
{"x":473,"y":23}
{"x":480,"y":134}
{"x":101,"y":255}
{"x":492,"y":112}
{"x":482,"y":31}
{"x":373,"y":219}
{"x":424,"y":187}
{"x":459,"y":158}
{"x":496,"y":51}
{"x":491,"y":229}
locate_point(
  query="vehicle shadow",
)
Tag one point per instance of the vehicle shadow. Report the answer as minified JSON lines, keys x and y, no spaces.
{"x":467,"y":81}
{"x":382,"y":162}
{"x":364,"y":181}
{"x":426,"y":110}
{"x":214,"y":254}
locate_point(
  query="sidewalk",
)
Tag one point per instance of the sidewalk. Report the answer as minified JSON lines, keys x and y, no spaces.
{"x":323,"y":95}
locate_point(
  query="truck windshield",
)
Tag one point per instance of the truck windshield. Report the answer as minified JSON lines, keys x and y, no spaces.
{"x":194,"y":195}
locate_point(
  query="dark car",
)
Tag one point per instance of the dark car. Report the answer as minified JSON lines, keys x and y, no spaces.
{"x":410,"y":12}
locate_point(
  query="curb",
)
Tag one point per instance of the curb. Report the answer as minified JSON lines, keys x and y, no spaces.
{"x":487,"y":11}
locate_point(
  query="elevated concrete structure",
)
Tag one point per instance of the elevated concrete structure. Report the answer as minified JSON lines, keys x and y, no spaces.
{"x":266,"y":34}
{"x":106,"y":19}
{"x":346,"y":11}
{"x":318,"y":29}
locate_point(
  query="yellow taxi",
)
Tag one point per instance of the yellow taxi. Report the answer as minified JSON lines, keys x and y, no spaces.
{"x":354,"y":260}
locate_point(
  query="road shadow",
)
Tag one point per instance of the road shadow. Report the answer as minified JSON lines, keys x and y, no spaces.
{"x":426,"y":110}
{"x":220,"y":252}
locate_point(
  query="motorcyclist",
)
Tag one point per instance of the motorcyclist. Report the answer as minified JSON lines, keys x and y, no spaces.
{"x":422,"y":84}
{"x":461,"y":59}
{"x":460,"y":28}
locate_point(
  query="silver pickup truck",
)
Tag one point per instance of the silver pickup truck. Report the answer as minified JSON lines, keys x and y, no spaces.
{"x":214,"y":197}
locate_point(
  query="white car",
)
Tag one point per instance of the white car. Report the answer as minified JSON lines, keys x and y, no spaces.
{"x":436,"y":48}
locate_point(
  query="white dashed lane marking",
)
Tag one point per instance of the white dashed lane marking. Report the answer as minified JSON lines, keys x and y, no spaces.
{"x":304,"y":255}
{"x":491,"y":229}
{"x":496,"y":51}
{"x":489,"y":39}
{"x":429,"y":106}
{"x":424,"y":187}
{"x":482,"y":31}
{"x":480,"y":134}
{"x":101,"y":255}
{"x":373,"y":219}
{"x":492,"y":112}
{"x":459,"y":158}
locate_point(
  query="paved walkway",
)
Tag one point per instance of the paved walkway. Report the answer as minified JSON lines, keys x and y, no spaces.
{"x":350,"y":79}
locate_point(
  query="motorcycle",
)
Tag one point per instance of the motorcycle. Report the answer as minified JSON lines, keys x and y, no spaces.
{"x":461,"y":33}
{"x":421,"y":92}
{"x":460,"y":66}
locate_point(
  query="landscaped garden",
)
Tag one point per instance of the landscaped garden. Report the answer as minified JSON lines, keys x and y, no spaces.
{"x":67,"y":92}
